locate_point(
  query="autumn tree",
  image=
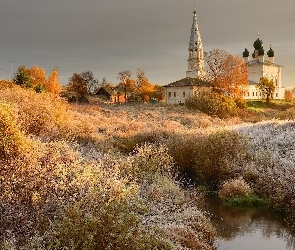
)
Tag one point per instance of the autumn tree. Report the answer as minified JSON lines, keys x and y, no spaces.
{"x":267,"y":88}
{"x":159,"y":92}
{"x":22,"y":77}
{"x":226,"y":72}
{"x":77,"y":84}
{"x":38,"y":78}
{"x":34,"y":77}
{"x":288,"y":95}
{"x":53,"y":85}
{"x":126,"y":82}
{"x":144,"y":88}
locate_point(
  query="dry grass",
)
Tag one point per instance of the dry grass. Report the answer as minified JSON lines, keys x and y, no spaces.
{"x":68,"y":170}
{"x":66,"y":184}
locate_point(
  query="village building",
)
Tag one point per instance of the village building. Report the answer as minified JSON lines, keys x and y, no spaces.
{"x":260,"y":67}
{"x":111,"y":94}
{"x":177,"y":92}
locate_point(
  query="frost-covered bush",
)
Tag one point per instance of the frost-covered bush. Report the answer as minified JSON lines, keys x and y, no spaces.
{"x":12,"y":140}
{"x":42,"y":114}
{"x":235,"y":188}
{"x":149,"y":160}
{"x":219,"y":156}
{"x":184,"y":149}
{"x":271,"y":167}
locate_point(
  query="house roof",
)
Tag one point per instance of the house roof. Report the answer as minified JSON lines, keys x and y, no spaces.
{"x":188,"y":81}
{"x":108,"y":89}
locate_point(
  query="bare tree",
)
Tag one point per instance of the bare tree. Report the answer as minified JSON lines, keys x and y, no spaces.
{"x":125,"y":76}
{"x":91,"y":82}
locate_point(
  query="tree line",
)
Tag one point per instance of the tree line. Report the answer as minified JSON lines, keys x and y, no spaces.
{"x":35,"y":78}
{"x":134,"y":89}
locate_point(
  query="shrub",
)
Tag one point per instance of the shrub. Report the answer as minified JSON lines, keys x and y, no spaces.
{"x":235,"y":188}
{"x":5,"y":84}
{"x":212,"y":103}
{"x":237,"y":192}
{"x":241,"y":103}
{"x":183,"y":148}
{"x":150,"y":159}
{"x":109,"y":217}
{"x":219,"y":156}
{"x":12,"y":140}
{"x":42,"y":114}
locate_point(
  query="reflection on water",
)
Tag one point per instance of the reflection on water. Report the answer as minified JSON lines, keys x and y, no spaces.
{"x":249,"y":228}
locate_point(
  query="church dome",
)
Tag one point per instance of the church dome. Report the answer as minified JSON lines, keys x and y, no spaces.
{"x":246,"y":53}
{"x":261,"y":52}
{"x":258,"y":44}
{"x":271,"y":53}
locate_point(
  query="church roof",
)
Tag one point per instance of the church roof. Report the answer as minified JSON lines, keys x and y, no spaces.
{"x":252,"y":83}
{"x":266,"y":63}
{"x":246,"y":53}
{"x":188,"y":81}
{"x":271,"y":53}
{"x":258,"y":44}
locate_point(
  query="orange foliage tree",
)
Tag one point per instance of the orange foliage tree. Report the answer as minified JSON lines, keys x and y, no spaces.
{"x":226,"y":72}
{"x":288,"y":95}
{"x":53,"y":85}
{"x":144,"y":88}
{"x":77,"y":84}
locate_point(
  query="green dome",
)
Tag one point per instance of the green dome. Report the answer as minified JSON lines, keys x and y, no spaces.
{"x":246,"y":53}
{"x":271,"y":53}
{"x":261,"y":51}
{"x":258,"y":44}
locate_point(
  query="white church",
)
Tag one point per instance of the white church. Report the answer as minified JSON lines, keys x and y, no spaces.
{"x":177,"y":92}
{"x":259,"y":67}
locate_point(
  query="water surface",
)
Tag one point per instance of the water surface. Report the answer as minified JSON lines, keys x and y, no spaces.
{"x":249,"y":228}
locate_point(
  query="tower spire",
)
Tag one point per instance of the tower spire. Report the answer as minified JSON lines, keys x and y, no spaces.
{"x":196,"y":51}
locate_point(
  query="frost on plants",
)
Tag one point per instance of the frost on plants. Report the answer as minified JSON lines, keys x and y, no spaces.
{"x":236,"y":188}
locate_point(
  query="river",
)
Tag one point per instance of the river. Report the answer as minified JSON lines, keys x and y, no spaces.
{"x":249,"y":228}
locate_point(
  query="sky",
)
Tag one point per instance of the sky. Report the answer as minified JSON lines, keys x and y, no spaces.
{"x":108,"y":36}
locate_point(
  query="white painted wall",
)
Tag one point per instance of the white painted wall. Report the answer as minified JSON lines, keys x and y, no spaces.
{"x":267,"y":69}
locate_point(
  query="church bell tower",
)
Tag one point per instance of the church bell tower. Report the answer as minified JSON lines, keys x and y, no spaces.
{"x":196,"y":51}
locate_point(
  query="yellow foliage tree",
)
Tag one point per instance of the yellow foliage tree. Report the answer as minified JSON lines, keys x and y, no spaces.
{"x":53,"y":85}
{"x":143,"y":87}
{"x":38,"y":78}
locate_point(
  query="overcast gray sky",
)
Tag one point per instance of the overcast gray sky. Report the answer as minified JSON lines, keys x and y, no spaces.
{"x":108,"y":36}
